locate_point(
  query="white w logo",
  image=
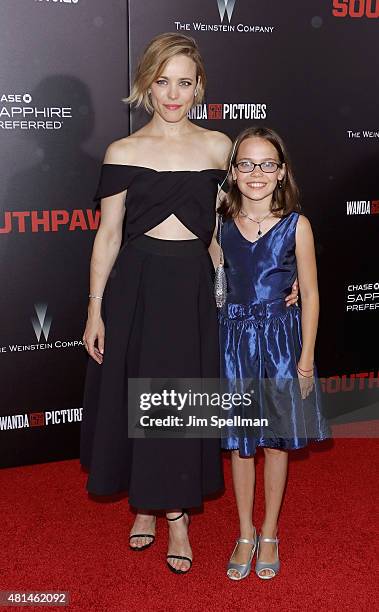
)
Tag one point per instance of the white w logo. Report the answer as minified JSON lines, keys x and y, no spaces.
{"x":226,"y":6}
{"x":41,"y":322}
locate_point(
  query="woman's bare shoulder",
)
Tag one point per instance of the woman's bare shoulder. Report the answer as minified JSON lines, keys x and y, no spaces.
{"x":120,"y":151}
{"x":219,"y":145}
{"x":213,"y":136}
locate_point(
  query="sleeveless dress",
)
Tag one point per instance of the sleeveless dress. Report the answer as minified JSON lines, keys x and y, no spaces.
{"x":160,"y":322}
{"x":260,"y":340}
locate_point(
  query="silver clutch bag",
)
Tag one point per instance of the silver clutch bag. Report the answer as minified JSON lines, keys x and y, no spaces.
{"x":220,"y":284}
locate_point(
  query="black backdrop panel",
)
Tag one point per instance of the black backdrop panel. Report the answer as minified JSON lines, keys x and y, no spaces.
{"x":63,"y":70}
{"x":313,"y":73}
{"x":299,"y":68}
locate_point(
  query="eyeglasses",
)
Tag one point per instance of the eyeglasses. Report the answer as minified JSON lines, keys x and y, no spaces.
{"x":246,"y":165}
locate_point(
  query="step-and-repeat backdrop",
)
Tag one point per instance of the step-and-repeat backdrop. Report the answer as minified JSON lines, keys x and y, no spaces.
{"x":307,"y":69}
{"x":63,"y":74}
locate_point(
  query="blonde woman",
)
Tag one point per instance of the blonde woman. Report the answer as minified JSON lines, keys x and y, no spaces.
{"x":151,"y":310}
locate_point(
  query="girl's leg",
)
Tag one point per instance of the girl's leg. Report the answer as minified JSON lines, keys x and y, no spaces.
{"x":275,"y":476}
{"x":143,"y":523}
{"x":243,"y":471}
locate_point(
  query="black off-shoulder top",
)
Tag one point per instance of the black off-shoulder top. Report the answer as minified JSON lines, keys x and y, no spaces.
{"x":154,"y":195}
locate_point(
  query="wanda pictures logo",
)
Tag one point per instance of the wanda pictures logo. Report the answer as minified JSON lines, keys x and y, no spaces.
{"x":356,"y":8}
{"x":228,"y":111}
{"x":226,"y":6}
{"x":362,"y":207}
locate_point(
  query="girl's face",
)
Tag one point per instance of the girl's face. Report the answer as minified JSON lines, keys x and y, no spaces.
{"x":257,"y":185}
{"x":172,"y":92}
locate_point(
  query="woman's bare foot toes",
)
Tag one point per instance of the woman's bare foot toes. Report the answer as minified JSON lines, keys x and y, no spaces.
{"x":142,"y":533}
{"x":178,"y":543}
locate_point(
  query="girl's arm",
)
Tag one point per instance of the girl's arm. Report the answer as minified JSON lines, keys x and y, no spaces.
{"x":307,"y":275}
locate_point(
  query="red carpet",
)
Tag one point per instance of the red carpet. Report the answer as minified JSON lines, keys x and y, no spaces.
{"x":54,"y":538}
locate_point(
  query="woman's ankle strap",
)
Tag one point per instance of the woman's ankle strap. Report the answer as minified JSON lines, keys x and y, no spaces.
{"x":177,"y":517}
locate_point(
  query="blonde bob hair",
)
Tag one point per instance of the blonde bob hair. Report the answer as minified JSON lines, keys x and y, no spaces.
{"x":156,"y":55}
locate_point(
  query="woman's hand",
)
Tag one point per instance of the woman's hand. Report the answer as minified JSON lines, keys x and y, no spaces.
{"x":292,"y":298}
{"x":93,"y":338}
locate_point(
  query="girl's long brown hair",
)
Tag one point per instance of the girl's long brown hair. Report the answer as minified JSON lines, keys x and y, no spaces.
{"x":284,"y":200}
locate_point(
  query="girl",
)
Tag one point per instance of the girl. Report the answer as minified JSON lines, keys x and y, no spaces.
{"x":266,"y":347}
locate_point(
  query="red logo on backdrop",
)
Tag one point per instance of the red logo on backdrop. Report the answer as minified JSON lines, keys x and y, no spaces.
{"x":356,"y":8}
{"x":214,"y":111}
{"x":360,"y":381}
{"x":375,"y":207}
{"x":49,"y":221}
{"x":37,"y":419}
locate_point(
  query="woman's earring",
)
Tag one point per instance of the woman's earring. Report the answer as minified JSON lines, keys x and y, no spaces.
{"x":196,"y":92}
{"x":280,"y":184}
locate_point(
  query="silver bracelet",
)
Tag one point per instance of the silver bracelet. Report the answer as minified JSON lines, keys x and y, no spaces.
{"x":96,"y":297}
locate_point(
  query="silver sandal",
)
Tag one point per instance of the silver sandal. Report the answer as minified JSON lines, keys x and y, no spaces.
{"x":243,"y":569}
{"x":260,"y":566}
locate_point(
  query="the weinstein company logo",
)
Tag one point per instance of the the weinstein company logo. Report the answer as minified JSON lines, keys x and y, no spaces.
{"x":226,"y":6}
{"x":226,"y":10}
{"x":41,"y":321}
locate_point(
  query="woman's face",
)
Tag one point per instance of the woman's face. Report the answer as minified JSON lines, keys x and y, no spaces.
{"x":257,"y":184}
{"x":172,"y":92}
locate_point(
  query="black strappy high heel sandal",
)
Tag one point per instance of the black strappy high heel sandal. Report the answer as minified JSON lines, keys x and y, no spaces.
{"x":173,"y":569}
{"x":142,"y":535}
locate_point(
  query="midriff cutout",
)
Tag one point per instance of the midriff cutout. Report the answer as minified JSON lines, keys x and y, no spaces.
{"x":171,"y":229}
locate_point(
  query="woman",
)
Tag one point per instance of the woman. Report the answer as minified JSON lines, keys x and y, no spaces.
{"x":269,"y":349}
{"x":151,"y":311}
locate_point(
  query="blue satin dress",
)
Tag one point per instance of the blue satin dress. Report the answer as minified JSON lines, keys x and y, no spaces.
{"x":260,"y":340}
